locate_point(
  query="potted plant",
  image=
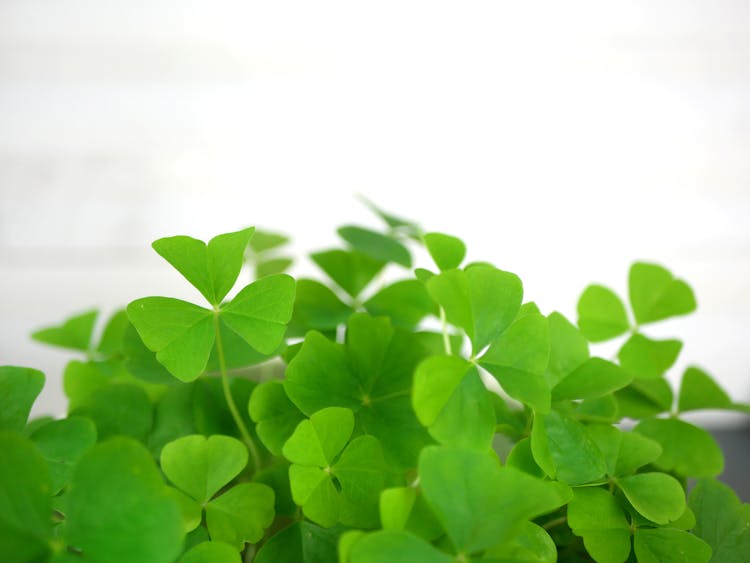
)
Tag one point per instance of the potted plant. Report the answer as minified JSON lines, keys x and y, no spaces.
{"x":436,"y":417}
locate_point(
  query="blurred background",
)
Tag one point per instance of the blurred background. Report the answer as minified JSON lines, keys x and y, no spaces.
{"x":561,"y":141}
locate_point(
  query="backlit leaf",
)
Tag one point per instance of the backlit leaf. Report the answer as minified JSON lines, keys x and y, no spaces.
{"x":518,"y":359}
{"x":447,"y":251}
{"x":211,"y":268}
{"x":481,"y":299}
{"x":593,"y":378}
{"x":648,"y":359}
{"x":406,"y":302}
{"x":601,"y":314}
{"x":699,"y":391}
{"x":655,"y":294}
{"x":259,"y":312}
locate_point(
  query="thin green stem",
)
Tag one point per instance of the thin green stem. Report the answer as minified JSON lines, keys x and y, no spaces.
{"x":251,"y":447}
{"x":556,"y":522}
{"x":446,"y":336}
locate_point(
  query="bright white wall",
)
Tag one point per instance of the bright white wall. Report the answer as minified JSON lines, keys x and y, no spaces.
{"x":561,"y":140}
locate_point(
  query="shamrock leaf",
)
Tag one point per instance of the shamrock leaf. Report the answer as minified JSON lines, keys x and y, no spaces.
{"x":302,"y":541}
{"x":481,"y":300}
{"x":645,"y":358}
{"x":594,"y":378}
{"x":656,"y":496}
{"x":601,"y":314}
{"x":352,"y":270}
{"x":241,"y":514}
{"x":211,"y":552}
{"x":211,"y":268}
{"x":201,"y":466}
{"x":595,"y":515}
{"x":395,"y":546}
{"x":371,"y":374}
{"x":447,"y":251}
{"x":655,"y":294}
{"x":722,"y":520}
{"x":668,"y":545}
{"x":275,"y":416}
{"x":377,"y":246}
{"x":331,"y":480}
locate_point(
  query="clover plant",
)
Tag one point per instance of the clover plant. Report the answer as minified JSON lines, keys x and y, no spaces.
{"x":436,"y":417}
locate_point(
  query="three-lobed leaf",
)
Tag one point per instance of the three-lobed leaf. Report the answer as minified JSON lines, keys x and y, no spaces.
{"x":655,"y":294}
{"x":211,"y":268}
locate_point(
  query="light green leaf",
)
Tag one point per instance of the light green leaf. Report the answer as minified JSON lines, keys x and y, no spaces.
{"x":518,"y":359}
{"x":656,"y":496}
{"x":564,"y":449}
{"x":211,"y":552}
{"x":19,"y":388}
{"x":687,"y":450}
{"x":241,"y":514}
{"x":450,"y":398}
{"x":275,"y":416}
{"x":141,"y":362}
{"x":350,"y":269}
{"x":406,"y":302}
{"x":655,"y":294}
{"x":300,"y":542}
{"x":594,"y":378}
{"x":722,"y":521}
{"x":181,"y":334}
{"x":481,"y":299}
{"x":648,"y":359}
{"x":668,"y":545}
{"x":75,"y":333}
{"x":644,"y":398}
{"x":118,"y":409}
{"x":595,"y":515}
{"x":63,"y":443}
{"x":313,"y":490}
{"x":479,"y":503}
{"x":259,"y":313}
{"x":699,"y":391}
{"x":201,"y":466}
{"x":568,"y":348}
{"x":319,"y":440}
{"x":25,"y":508}
{"x":447,"y":251}
{"x":263,"y":240}
{"x":636,"y":450}
{"x":106,"y":525}
{"x":601,"y":314}
{"x":81,"y":379}
{"x":316,"y":308}
{"x":212,"y":269}
{"x":377,"y":246}
{"x":608,"y":439}
{"x":391,"y":546}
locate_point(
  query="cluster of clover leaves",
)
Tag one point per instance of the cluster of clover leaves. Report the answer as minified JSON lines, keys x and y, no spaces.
{"x":437,"y":418}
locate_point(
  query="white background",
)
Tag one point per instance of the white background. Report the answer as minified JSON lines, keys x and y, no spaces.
{"x":561,"y":140}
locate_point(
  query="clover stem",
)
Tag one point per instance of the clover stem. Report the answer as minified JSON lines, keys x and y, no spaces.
{"x":230,"y":400}
{"x":556,"y":522}
{"x":446,"y":337}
